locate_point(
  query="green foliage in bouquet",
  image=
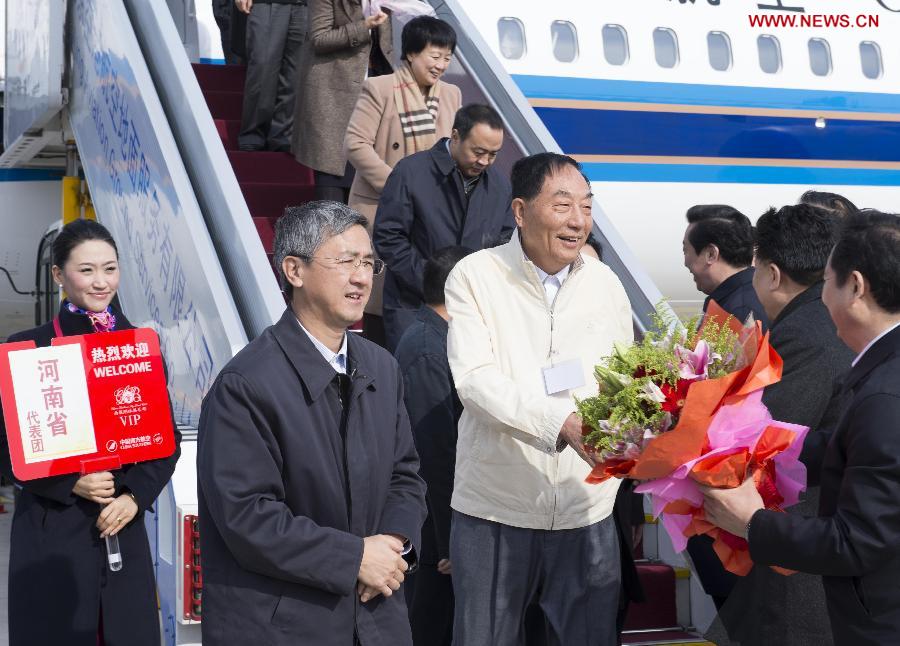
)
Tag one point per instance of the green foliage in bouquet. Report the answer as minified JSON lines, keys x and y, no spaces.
{"x":642,"y":387}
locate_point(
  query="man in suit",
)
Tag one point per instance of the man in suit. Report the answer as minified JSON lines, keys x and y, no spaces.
{"x":434,"y":409}
{"x":275,"y":33}
{"x":854,"y":543}
{"x":792,"y":248}
{"x":448,"y":195}
{"x":308,"y":489}
{"x":718,"y":252}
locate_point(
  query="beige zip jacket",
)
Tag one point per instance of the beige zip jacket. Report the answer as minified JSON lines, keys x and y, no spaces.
{"x":502,"y":335}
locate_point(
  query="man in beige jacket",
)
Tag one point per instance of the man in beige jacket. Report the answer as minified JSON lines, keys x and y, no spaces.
{"x":529,"y":320}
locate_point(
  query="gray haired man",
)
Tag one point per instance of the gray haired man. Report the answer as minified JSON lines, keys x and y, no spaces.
{"x":309,"y":496}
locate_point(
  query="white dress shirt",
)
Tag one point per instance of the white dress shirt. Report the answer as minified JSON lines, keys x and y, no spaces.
{"x":552,"y":282}
{"x":337,"y":360}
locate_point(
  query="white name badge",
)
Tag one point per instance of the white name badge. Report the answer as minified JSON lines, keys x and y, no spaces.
{"x":563,"y":376}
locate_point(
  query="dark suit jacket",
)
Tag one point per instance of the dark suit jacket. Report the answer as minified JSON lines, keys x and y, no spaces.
{"x":423,"y":208}
{"x":289,"y":484}
{"x":58,"y":576}
{"x":434,"y":409}
{"x":766,"y":607}
{"x":855,"y":542}
{"x":737,"y":297}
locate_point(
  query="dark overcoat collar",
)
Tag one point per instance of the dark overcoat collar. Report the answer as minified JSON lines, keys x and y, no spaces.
{"x":810,"y":294}
{"x":886,"y":347}
{"x":312,"y":368}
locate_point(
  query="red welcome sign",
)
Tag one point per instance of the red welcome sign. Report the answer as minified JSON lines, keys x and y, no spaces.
{"x":86,"y":403}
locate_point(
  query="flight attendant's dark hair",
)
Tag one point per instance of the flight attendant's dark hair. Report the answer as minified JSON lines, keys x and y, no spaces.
{"x":74,"y":233}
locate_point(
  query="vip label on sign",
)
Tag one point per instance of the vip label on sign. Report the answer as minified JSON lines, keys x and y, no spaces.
{"x":88,"y":403}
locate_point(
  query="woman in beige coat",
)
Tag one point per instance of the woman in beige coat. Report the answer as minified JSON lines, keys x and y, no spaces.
{"x":337,"y":56}
{"x":397,"y":115}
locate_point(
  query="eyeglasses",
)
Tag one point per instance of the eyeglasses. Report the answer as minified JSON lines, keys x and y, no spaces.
{"x":349,"y":265}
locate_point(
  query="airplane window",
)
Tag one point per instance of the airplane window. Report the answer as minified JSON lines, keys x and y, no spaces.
{"x":565,"y":41}
{"x":665,"y":46}
{"x":769,"y":54}
{"x":615,"y":44}
{"x":819,"y":56}
{"x":870,"y":56}
{"x":719,"y":46}
{"x":511,"y":33}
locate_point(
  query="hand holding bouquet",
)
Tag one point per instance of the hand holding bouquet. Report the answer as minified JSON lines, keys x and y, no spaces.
{"x":682,"y":409}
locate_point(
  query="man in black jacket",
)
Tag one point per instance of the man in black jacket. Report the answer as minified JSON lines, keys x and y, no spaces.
{"x":434,"y":409}
{"x":308,"y":489}
{"x":718,"y":251}
{"x":792,"y":248}
{"x":449,"y":195}
{"x":854,"y":543}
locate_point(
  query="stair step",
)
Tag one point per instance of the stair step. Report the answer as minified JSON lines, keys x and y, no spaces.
{"x":227,"y":78}
{"x":660,"y":609}
{"x":229,"y":131}
{"x":663,"y":638}
{"x":222,"y":104}
{"x":265,"y":227}
{"x":269,"y":168}
{"x":270,"y":200}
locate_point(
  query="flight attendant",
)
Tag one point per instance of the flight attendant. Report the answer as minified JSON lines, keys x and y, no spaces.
{"x":60,"y":588}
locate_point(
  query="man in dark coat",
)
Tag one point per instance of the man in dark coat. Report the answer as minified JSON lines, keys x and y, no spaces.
{"x":434,"y":409}
{"x":310,"y":503}
{"x":718,"y":251}
{"x":449,"y":195}
{"x":792,"y":247}
{"x":854,"y":543}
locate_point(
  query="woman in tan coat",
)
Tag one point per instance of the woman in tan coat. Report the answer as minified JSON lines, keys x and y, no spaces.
{"x":337,"y":55}
{"x":397,"y":115}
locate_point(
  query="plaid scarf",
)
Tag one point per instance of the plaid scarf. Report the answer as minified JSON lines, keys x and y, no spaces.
{"x":418,"y":114}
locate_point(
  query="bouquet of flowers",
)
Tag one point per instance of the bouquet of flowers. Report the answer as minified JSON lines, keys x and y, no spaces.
{"x":684,"y":408}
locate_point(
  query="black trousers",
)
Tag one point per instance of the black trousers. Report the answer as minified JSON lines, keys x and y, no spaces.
{"x":275,"y":34}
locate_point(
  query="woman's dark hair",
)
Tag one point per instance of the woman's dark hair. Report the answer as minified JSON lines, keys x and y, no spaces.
{"x":870,"y":244}
{"x":437,"y":269}
{"x":831,"y":202}
{"x":726,"y":228}
{"x":529,"y":173}
{"x":76,"y":232}
{"x":469,"y":116}
{"x":797,"y":239}
{"x":422,"y":31}
{"x":594,"y":244}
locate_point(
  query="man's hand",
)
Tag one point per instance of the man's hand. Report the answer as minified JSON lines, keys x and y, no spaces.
{"x":571,"y":435}
{"x":443,"y":567}
{"x":732,"y":509}
{"x":97,"y":487}
{"x":374,"y":21}
{"x":382,"y":567}
{"x":243,"y":6}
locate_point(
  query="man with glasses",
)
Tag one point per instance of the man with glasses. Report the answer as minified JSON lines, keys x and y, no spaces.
{"x":310,"y":501}
{"x":448,"y":195}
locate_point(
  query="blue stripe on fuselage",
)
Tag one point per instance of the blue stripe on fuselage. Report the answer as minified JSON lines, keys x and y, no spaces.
{"x":724,"y":174}
{"x":624,"y":132}
{"x":554,"y":87}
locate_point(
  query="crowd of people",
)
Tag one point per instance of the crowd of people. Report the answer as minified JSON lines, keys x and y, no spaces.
{"x":425,"y":483}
